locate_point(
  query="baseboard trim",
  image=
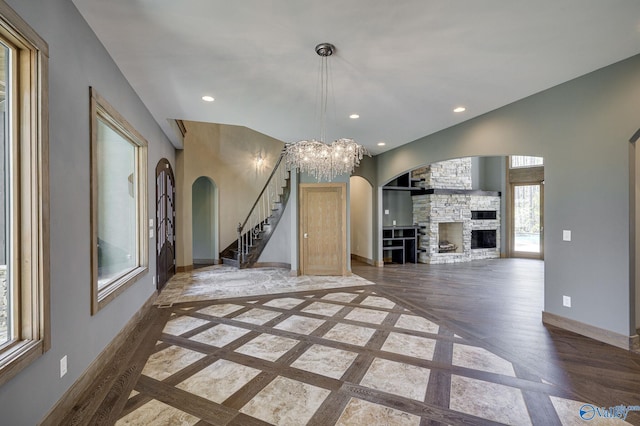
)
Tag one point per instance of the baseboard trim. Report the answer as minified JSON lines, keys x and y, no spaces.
{"x":272,"y":265}
{"x":634,"y":343}
{"x":362,"y":259}
{"x":206,"y":261}
{"x":187,"y":268}
{"x":591,"y":331}
{"x":87,"y":379}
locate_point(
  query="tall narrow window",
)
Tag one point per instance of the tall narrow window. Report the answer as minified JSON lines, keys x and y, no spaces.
{"x":6,"y":290}
{"x":24,"y":217}
{"x":119,"y":206}
{"x":525,"y":206}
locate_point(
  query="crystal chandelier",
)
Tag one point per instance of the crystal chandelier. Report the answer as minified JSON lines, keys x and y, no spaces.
{"x":315,"y":157}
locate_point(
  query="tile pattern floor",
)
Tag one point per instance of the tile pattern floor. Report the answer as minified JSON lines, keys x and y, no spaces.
{"x":347,"y":356}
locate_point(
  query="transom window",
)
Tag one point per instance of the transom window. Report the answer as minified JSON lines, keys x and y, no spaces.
{"x":517,"y":161}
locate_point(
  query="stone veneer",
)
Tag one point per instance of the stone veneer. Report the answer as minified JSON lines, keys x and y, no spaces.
{"x":451,"y":174}
{"x":430,"y":210}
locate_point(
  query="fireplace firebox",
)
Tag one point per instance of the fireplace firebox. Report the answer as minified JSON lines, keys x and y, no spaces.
{"x":483,"y":238}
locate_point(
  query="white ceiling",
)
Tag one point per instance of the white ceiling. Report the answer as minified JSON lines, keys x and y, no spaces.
{"x":403,"y":65}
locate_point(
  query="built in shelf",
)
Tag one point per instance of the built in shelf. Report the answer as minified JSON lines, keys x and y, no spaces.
{"x":400,"y":244}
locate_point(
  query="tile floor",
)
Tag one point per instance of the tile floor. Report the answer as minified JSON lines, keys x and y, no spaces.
{"x":337,"y":354}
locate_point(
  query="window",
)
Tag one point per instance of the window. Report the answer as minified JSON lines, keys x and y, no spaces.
{"x":24,"y":183}
{"x":525,"y":161}
{"x":118,"y":203}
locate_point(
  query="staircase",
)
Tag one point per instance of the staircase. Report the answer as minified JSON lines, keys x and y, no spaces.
{"x":261,"y":222}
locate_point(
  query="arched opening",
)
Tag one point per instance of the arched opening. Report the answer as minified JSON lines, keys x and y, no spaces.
{"x":204,"y":213}
{"x":469,"y":200}
{"x":361,"y":218}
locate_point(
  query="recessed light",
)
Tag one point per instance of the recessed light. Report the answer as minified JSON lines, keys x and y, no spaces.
{"x":208,"y":98}
{"x":354,"y":116}
{"x":381,"y":144}
{"x":460,"y":109}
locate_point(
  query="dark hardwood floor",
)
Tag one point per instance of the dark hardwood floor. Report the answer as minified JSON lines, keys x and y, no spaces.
{"x":494,"y":304}
{"x":500,"y":302}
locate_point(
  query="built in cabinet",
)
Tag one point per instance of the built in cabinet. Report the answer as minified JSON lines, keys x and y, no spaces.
{"x":400,"y":244}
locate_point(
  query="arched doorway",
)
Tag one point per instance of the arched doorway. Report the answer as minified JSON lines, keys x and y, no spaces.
{"x":361,"y":217}
{"x":204,"y":211}
{"x":165,"y":223}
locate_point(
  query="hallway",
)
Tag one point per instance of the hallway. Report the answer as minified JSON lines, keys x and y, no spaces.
{"x":423,"y":345}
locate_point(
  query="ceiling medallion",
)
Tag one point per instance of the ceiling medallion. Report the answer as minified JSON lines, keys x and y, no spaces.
{"x":321,"y":160}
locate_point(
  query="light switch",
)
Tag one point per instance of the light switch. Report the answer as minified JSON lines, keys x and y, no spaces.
{"x":386,"y":211}
{"x":566,"y":235}
{"x":150,"y":223}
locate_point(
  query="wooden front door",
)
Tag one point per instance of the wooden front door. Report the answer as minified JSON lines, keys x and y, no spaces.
{"x":323,"y":236}
{"x":165,"y":223}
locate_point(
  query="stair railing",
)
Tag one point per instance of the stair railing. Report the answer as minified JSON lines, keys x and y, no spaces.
{"x":250,"y":230}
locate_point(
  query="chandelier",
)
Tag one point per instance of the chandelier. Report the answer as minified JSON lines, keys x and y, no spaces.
{"x":321,"y":160}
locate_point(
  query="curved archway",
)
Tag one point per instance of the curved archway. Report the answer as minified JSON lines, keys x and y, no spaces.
{"x":204,"y":216}
{"x":361,"y":217}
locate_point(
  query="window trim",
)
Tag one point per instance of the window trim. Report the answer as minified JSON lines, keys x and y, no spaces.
{"x":30,"y":180}
{"x":99,"y":107}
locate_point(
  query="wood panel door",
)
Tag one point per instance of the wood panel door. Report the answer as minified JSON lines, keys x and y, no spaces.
{"x":165,"y":223}
{"x":323,"y":236}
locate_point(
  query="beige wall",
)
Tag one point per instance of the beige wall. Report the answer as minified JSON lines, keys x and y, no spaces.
{"x":361,"y":200}
{"x":227,"y":155}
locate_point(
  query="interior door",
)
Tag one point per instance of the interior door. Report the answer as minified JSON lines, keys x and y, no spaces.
{"x":165,"y":223}
{"x":323,"y":237}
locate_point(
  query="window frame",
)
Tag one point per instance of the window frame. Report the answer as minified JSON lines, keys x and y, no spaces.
{"x":100,"y":108}
{"x":29,"y":180}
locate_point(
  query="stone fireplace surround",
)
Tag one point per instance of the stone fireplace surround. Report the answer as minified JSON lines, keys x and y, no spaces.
{"x":448,"y":199}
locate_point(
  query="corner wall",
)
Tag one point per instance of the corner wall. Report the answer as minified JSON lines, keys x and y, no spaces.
{"x":581,"y":128}
{"x":77,"y":60}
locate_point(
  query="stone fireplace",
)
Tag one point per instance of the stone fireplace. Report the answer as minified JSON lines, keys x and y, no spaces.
{"x":457,"y":224}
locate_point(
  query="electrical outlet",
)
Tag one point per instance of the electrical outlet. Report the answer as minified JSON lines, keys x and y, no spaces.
{"x":63,"y":366}
{"x":154,"y":281}
{"x":566,"y":301}
{"x":394,"y":223}
{"x":566,"y":235}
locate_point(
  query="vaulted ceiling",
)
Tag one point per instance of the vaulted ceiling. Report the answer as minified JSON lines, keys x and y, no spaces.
{"x":402,"y":65}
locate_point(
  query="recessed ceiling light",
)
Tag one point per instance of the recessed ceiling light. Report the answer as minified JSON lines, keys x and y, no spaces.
{"x":460,"y":109}
{"x":381,"y":144}
{"x":354,"y":116}
{"x":208,"y":98}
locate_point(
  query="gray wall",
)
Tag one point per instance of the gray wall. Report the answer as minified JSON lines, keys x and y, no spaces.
{"x":400,"y":206}
{"x":77,"y":60}
{"x":581,"y":128}
{"x":492,"y":173}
